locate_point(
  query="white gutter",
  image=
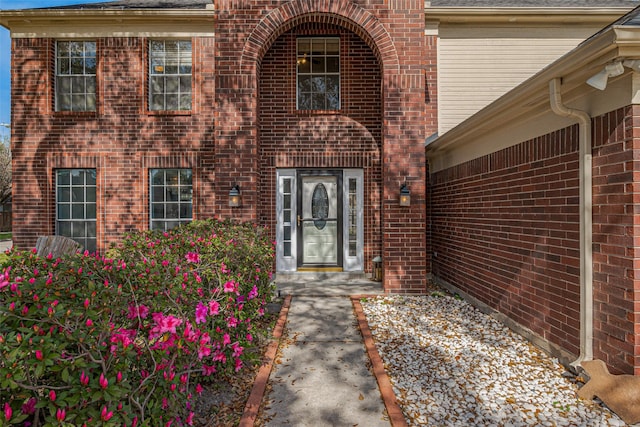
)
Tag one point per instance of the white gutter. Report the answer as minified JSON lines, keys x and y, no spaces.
{"x":586,"y":230}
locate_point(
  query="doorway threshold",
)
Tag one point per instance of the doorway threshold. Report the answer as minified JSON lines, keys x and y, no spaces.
{"x":326,"y":283}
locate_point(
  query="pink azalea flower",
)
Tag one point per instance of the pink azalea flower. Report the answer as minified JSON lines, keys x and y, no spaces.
{"x":193,"y":257}
{"x":39,"y":355}
{"x":230,"y":286}
{"x":84,"y":379}
{"x":137,"y":310}
{"x":86,"y":303}
{"x":199,"y":388}
{"x":207,"y":371}
{"x":214,"y":307}
{"x":104,"y":383}
{"x":201,"y":313}
{"x":8,"y":412}
{"x":106,"y":415}
{"x":238,"y":364}
{"x":61,"y":414}
{"x":226,"y":339}
{"x":189,"y":334}
{"x":89,"y":323}
{"x":164,"y":324}
{"x":52,"y":395}
{"x":119,"y":377}
{"x":29,"y":407}
{"x":253,"y":293}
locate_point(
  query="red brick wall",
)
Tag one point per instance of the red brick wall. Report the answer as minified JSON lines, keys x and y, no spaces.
{"x":395,"y":34}
{"x":616,"y":290}
{"x":121,"y":140}
{"x":349,"y":138}
{"x":505,"y":229}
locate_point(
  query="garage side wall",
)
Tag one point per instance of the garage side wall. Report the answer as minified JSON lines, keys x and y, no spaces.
{"x":505,"y":231}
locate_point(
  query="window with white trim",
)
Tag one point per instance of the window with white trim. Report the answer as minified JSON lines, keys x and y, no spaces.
{"x":76,"y":66}
{"x":170,"y":75}
{"x":318,"y":73}
{"x":76,"y":206}
{"x":171,"y":194}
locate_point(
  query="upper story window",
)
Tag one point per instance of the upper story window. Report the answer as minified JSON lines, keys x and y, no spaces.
{"x":76,"y":76}
{"x":318,"y":62}
{"x":169,"y":75}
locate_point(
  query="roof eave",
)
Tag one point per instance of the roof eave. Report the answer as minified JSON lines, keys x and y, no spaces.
{"x":454,"y":15}
{"x":18,"y":17}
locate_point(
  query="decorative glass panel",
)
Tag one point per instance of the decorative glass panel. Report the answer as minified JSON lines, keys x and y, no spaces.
{"x":286,"y":212}
{"x":353,"y":216}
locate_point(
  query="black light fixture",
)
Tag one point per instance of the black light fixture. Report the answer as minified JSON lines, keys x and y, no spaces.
{"x":234,"y":196}
{"x":405,"y":195}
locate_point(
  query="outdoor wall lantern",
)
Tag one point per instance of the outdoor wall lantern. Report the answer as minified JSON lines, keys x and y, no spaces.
{"x":599,"y":81}
{"x":405,"y":196}
{"x":234,"y":196}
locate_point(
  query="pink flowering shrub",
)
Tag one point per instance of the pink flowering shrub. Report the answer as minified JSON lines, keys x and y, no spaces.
{"x":130,"y":340}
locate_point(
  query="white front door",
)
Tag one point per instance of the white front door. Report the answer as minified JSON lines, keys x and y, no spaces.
{"x":319,"y":219}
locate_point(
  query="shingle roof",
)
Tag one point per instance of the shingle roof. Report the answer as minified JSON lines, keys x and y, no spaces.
{"x":202,"y":4}
{"x":141,"y":4}
{"x":534,"y":3}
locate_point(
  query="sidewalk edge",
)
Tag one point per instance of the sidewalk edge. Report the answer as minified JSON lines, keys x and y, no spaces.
{"x":262,"y":378}
{"x":386,"y":390}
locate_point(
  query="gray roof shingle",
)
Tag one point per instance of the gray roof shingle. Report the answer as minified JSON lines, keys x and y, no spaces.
{"x":535,"y":3}
{"x":141,"y":4}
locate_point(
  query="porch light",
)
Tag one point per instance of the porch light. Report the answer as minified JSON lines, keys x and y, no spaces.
{"x":405,"y":196}
{"x":599,"y":81}
{"x":234,"y":196}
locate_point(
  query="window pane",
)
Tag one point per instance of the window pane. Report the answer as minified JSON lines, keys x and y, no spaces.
{"x":333,"y":65}
{"x":91,"y":211}
{"x":318,"y":65}
{"x":185,"y":177}
{"x":157,"y":102}
{"x":172,"y":210}
{"x":157,"y":177}
{"x":185,"y":84}
{"x":77,"y":211}
{"x":64,"y":193}
{"x":171,"y":194}
{"x":157,"y":194}
{"x":90,"y":66}
{"x":185,"y":211}
{"x":318,"y":101}
{"x":64,"y":229}
{"x":304,"y":101}
{"x":64,"y":66}
{"x":171,"y":102}
{"x":304,"y":65}
{"x":157,"y":210}
{"x":77,"y":194}
{"x":171,"y":85}
{"x":64,"y":212}
{"x":287,"y":248}
{"x":333,"y":46}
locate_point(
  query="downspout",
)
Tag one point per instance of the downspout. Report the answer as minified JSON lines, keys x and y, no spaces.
{"x":586,"y":231}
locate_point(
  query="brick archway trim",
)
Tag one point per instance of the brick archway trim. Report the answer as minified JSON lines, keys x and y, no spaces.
{"x":342,"y":12}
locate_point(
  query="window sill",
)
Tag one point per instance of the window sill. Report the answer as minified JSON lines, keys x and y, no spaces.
{"x":89,"y":114}
{"x":319,"y":112}
{"x":169,"y":112}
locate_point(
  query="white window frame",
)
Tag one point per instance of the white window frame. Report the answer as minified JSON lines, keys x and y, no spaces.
{"x":353,"y":263}
{"x":72,"y":205}
{"x":160,"y":75}
{"x":286,"y":263}
{"x":179,"y":186}
{"x":77,"y":85}
{"x":308,"y":59}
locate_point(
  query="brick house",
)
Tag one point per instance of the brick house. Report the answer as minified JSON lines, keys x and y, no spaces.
{"x":310,"y":117}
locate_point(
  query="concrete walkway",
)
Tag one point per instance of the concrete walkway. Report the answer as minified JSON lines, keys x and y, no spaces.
{"x":323,"y":377}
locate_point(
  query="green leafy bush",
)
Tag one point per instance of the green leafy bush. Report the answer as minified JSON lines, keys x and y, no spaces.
{"x":130,"y":339}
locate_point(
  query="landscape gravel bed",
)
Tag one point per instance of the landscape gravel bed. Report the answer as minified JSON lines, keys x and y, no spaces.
{"x":452,"y":365}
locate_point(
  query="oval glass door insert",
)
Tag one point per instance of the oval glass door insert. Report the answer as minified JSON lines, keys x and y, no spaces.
{"x":320,"y":206}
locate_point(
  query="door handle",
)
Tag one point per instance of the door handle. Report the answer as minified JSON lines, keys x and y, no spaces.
{"x":299,"y":220}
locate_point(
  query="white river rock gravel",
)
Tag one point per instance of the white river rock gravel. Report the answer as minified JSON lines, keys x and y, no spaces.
{"x":452,"y":365}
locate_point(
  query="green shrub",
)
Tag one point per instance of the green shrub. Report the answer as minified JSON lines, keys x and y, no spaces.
{"x":130,"y":340}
